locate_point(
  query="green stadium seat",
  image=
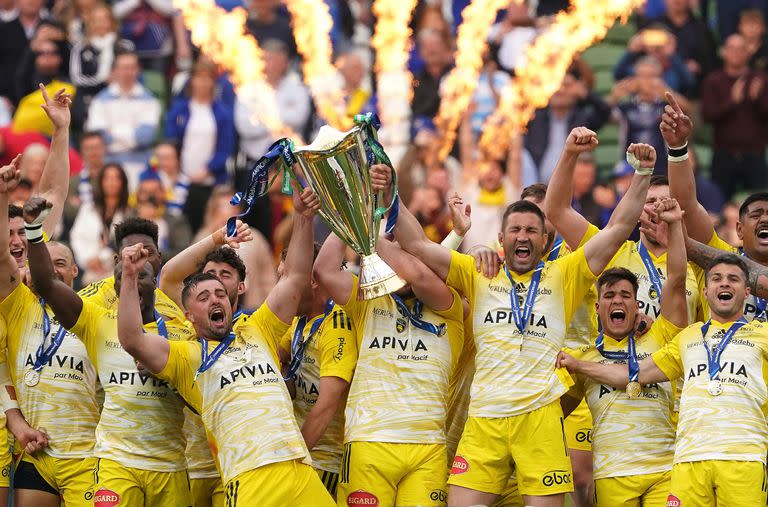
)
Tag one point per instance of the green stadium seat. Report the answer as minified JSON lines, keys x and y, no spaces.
{"x":620,"y":34}
{"x":154,"y":81}
{"x":603,"y":56}
{"x":609,"y":135}
{"x":603,"y":82}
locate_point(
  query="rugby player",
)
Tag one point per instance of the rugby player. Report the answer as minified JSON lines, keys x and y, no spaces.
{"x":515,"y":414}
{"x":722,"y":433}
{"x":139,"y":450}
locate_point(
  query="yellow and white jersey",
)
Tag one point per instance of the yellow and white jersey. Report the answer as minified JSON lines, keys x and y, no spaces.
{"x":514,"y":374}
{"x":630,"y":436}
{"x":648,"y":300}
{"x":103,"y":294}
{"x":142,"y":415}
{"x":242,"y":398}
{"x":332,"y":352}
{"x":400,"y":390}
{"x":64,"y":400}
{"x":731,"y":426}
{"x":200,"y":461}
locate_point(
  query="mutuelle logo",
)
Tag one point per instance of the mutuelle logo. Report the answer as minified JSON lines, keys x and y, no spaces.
{"x":361,"y":497}
{"x":556,"y":477}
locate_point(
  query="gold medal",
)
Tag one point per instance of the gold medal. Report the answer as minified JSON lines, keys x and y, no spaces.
{"x":634,"y":389}
{"x":31,"y":377}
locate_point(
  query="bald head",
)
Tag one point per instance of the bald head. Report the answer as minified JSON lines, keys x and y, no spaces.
{"x":63,"y":261}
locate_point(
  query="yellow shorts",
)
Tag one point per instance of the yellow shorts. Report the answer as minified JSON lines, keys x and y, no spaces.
{"x":330,"y":480}
{"x":284,"y":483}
{"x":510,"y":497}
{"x":71,"y":477}
{"x":5,"y":459}
{"x":578,"y":428}
{"x":647,"y":490}
{"x":128,"y":487}
{"x":533,"y":442}
{"x":714,"y":482}
{"x":380,"y":473}
{"x":207,"y":492}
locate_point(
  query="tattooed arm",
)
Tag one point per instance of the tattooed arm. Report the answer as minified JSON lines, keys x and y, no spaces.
{"x":703,"y":255}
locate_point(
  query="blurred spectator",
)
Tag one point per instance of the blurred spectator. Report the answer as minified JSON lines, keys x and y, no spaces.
{"x":6,"y":111}
{"x":204,"y":129}
{"x":174,"y":231}
{"x":639,"y":103}
{"x":147,"y":24}
{"x":427,"y":16}
{"x":29,"y":116}
{"x":46,"y":58}
{"x":428,"y":205}
{"x":734,"y":100}
{"x":32,"y":164}
{"x":752,"y":28}
{"x":266,"y":21}
{"x":708,"y":193}
{"x":436,"y":51}
{"x":224,"y":92}
{"x":608,"y":196}
{"x":695,"y":42}
{"x":571,"y":106}
{"x":90,"y":60}
{"x":74,"y":15}
{"x":584,"y":178}
{"x":343,"y":25}
{"x":256,"y":254}
{"x":15,"y":34}
{"x":656,"y":41}
{"x":165,"y":161}
{"x":91,"y":236}
{"x":21,"y":193}
{"x":489,"y":85}
{"x":728,"y":11}
{"x":13,"y":143}
{"x":127,"y":116}
{"x":727,"y":224}
{"x":358,"y":98}
{"x":512,"y":35}
{"x":81,"y":185}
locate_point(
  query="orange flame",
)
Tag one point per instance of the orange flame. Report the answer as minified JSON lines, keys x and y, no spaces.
{"x":458,"y":87}
{"x":222,"y":36}
{"x":549,"y":57}
{"x":312,"y":25}
{"x":394,"y":91}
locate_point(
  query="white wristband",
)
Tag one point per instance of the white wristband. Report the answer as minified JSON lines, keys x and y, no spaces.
{"x":452,"y":241}
{"x":644,"y":171}
{"x":34,"y":232}
{"x":681,"y":158}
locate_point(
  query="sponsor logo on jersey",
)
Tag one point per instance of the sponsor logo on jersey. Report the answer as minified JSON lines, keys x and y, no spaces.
{"x":438,"y":495}
{"x":73,"y":363}
{"x":400,"y":325}
{"x":460,"y":465}
{"x":361,"y":497}
{"x":556,"y":477}
{"x":673,"y":501}
{"x":105,"y":498}
{"x":248,"y":371}
{"x":507,"y":317}
{"x":584,"y":435}
{"x":392,"y":342}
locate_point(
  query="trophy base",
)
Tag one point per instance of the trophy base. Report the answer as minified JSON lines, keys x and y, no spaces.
{"x":376,"y":278}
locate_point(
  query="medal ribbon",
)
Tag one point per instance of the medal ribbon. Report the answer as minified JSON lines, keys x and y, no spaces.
{"x":522,"y":316}
{"x":761,"y":303}
{"x":260,"y":182}
{"x":239,"y":313}
{"x":375,"y":153}
{"x":44,"y":354}
{"x":630,"y":356}
{"x":555,"y":251}
{"x":415,"y":316}
{"x":713,"y":357}
{"x":297,"y":346}
{"x":653,"y":274}
{"x":208,"y":360}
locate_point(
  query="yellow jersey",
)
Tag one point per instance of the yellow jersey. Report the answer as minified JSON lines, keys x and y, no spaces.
{"x":630,"y":436}
{"x":103,"y":294}
{"x":64,"y":400}
{"x":731,"y":426}
{"x":400,"y":390}
{"x":516,"y":374}
{"x":332,"y":352}
{"x":142,"y":415}
{"x":242,"y":398}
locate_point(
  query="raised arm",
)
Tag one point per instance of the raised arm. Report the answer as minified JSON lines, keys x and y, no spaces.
{"x":149,"y":349}
{"x":188,"y":260}
{"x":54,"y":182}
{"x":558,"y":208}
{"x":600,"y":249}
{"x":425,"y":283}
{"x":9,"y":269}
{"x":676,"y":128}
{"x":614,"y":375}
{"x":284,"y":298}
{"x":328,"y":273}
{"x":409,"y":232}
{"x":674,"y":304}
{"x":62,"y":299}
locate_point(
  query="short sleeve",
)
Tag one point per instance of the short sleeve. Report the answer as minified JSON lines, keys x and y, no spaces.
{"x":456,"y":310}
{"x":14,"y":307}
{"x":338,"y":346}
{"x":285,"y":340}
{"x":663,"y":331}
{"x":183,"y":362}
{"x":668,"y":358}
{"x":461,"y":274}
{"x":576,"y":280}
{"x":716,"y":242}
{"x":591,"y":232}
{"x":87,"y":326}
{"x":355,"y":308}
{"x":269,"y":326}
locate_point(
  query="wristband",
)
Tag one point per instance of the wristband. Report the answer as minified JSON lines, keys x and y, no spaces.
{"x":34,"y":233}
{"x":644,"y":171}
{"x":680,"y":158}
{"x":452,"y":241}
{"x":679,"y":151}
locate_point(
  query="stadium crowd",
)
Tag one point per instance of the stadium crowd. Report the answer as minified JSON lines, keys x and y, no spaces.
{"x":551,"y":340}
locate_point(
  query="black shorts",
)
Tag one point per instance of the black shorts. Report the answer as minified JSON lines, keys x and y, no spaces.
{"x":26,"y":476}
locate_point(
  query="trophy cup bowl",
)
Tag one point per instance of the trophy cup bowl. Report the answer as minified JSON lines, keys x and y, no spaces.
{"x":336,"y":166}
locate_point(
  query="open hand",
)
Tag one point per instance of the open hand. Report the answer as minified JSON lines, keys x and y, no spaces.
{"x":57,"y":108}
{"x":460,"y":214}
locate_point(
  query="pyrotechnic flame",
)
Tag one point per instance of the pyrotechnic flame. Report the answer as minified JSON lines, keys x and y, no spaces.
{"x":458,"y":87}
{"x":222,"y":36}
{"x":548,"y":59}
{"x":394,"y":91}
{"x":312,"y":25}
